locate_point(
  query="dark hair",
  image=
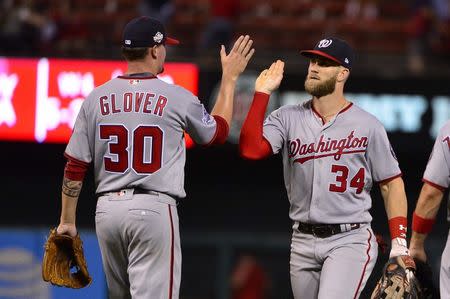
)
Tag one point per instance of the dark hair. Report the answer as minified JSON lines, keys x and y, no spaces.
{"x":133,"y":54}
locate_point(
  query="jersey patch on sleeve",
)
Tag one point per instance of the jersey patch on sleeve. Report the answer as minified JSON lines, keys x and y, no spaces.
{"x":392,"y":152}
{"x":207,"y":118}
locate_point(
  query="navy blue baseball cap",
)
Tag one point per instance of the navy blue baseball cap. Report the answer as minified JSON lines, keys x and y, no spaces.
{"x":334,"y":49}
{"x":145,"y":32}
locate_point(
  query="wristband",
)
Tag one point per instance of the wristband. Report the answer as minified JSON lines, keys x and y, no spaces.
{"x":422,"y":225}
{"x":398,"y":227}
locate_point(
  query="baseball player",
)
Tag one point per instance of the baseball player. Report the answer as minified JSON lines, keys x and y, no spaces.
{"x":436,"y":179}
{"x":131,"y":128}
{"x":333,"y":151}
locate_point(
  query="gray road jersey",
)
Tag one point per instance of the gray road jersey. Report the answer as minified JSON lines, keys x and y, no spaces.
{"x":133,"y":131}
{"x":438,"y":167}
{"x":329,"y":169}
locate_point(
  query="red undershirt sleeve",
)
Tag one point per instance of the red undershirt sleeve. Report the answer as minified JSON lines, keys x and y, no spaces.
{"x":75,"y":169}
{"x":222,"y":130}
{"x":252,"y":144}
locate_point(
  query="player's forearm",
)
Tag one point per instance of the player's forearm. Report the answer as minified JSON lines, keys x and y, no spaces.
{"x":252,"y":144}
{"x":224,"y":101}
{"x":394,"y":196}
{"x":430,"y":199}
{"x":396,"y":206}
{"x":74,"y":173}
{"x":70,"y":193}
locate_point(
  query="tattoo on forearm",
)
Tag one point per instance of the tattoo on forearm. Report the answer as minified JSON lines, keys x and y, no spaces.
{"x":71,"y":188}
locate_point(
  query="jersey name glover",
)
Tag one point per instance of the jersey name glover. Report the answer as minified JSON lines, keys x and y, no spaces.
{"x":302,"y":152}
{"x":144,"y":102}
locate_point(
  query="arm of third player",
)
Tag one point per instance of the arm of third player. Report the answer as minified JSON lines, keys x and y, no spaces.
{"x":428,"y":204}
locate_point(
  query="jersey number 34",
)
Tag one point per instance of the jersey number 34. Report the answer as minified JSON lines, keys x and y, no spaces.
{"x":340,"y":186}
{"x":118,"y":142}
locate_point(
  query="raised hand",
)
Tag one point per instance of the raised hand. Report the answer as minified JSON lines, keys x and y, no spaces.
{"x":270,"y":79}
{"x":236,"y":61}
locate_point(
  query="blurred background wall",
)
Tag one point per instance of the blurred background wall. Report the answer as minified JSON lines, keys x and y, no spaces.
{"x":235,"y":217}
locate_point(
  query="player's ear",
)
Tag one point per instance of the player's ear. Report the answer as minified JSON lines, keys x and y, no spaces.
{"x":154,"y":52}
{"x":343,"y":74}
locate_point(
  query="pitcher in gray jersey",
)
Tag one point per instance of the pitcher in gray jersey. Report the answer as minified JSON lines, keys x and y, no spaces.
{"x":132,"y":129}
{"x":333,"y":152}
{"x":436,"y":180}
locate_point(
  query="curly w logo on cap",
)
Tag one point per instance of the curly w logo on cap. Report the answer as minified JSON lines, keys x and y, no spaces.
{"x":324,"y":43}
{"x":334,"y":49}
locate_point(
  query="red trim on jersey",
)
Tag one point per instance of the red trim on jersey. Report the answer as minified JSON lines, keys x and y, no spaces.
{"x":346,"y":108}
{"x":171,"y":253}
{"x":252,"y":144}
{"x":318,"y":114}
{"x":397,"y":227}
{"x":365,"y":265}
{"x":323,"y":119}
{"x":439,"y":187}
{"x":422,"y":225}
{"x":222,"y":130}
{"x":390,"y":178}
{"x":75,"y":169}
{"x":136,"y":77}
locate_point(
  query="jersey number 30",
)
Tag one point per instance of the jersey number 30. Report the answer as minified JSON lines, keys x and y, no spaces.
{"x":117,"y":136}
{"x":341,"y":171}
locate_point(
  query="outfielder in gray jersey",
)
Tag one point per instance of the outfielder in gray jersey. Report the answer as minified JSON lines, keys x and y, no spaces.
{"x":436,"y":180}
{"x":333,"y":152}
{"x":132,"y":130}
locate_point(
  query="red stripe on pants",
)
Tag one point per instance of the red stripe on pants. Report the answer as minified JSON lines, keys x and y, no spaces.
{"x":365,"y":266}
{"x":171,"y":253}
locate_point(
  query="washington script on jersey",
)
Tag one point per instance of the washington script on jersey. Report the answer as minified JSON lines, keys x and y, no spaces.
{"x":348,"y":145}
{"x":150,"y":102}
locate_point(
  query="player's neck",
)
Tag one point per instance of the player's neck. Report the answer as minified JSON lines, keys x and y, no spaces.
{"x":139,"y":67}
{"x":329,"y":106}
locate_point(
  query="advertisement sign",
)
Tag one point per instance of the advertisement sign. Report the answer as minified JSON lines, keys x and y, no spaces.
{"x":40,"y":98}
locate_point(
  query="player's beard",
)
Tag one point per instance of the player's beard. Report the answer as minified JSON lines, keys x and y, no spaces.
{"x":320,"y":89}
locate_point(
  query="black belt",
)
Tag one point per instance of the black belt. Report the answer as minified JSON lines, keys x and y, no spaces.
{"x":136,"y":191}
{"x":325,"y":230}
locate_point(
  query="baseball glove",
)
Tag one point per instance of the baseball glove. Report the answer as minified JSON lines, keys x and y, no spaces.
{"x":398,"y":280}
{"x":424,"y":275}
{"x":64,"y":263}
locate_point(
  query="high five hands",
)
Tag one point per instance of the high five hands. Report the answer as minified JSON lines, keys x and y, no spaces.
{"x":235,"y":62}
{"x":270,"y":79}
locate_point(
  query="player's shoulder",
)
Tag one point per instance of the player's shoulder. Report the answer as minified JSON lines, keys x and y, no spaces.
{"x":294,"y":108}
{"x":101,"y":89}
{"x":364,"y":116}
{"x":286,"y":111}
{"x":177,"y":89}
{"x":174,"y":91}
{"x":93,"y":95}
